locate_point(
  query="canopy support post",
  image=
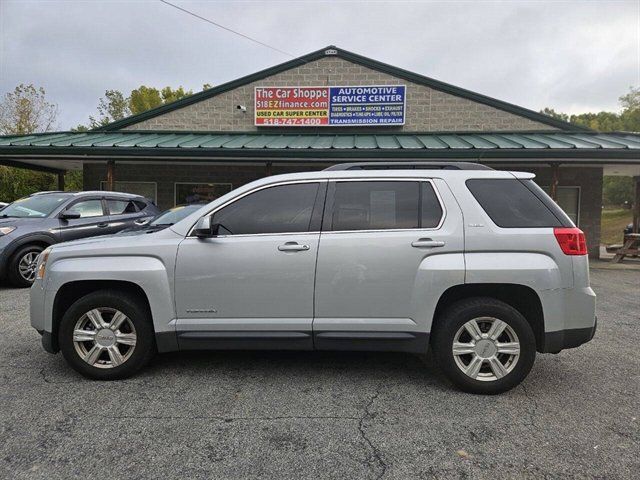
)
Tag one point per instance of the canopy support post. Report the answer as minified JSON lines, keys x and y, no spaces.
{"x":111,"y":175}
{"x":61,"y":181}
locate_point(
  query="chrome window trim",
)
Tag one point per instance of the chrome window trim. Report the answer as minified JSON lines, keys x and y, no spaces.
{"x":257,"y":189}
{"x":395,"y":179}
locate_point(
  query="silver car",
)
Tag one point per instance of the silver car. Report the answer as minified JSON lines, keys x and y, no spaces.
{"x":479,"y":265}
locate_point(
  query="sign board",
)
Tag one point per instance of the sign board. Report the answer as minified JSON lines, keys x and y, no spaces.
{"x":345,"y":106}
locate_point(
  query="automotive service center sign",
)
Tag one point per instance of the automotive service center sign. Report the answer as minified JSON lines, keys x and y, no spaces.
{"x":330,"y":106}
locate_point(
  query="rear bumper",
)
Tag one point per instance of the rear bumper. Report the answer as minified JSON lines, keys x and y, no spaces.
{"x":570,"y":338}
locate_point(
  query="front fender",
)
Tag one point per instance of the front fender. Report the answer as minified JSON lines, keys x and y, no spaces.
{"x":149,"y":273}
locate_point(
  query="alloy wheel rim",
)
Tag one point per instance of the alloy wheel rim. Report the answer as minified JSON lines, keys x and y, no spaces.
{"x":27,"y":266}
{"x":486,"y":349}
{"x":104,"y":337}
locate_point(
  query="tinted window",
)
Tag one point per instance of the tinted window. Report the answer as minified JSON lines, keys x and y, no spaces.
{"x":510,"y":203}
{"x":431,"y":210}
{"x":286,"y":208}
{"x":87,"y":208}
{"x":119,"y":207}
{"x":36,"y":206}
{"x":140,"y":204}
{"x":375,"y":205}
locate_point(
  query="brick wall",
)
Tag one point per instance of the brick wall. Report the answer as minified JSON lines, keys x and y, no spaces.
{"x":589,"y":179}
{"x":427,"y":109}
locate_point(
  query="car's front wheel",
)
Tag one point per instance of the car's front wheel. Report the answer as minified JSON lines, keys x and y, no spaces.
{"x":484,"y":345}
{"x":107,"y":335}
{"x":23,"y":264}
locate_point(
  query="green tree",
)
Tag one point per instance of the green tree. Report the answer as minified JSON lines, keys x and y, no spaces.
{"x":145,"y":98}
{"x":116,"y":106}
{"x":617,"y":191}
{"x":23,"y":111}
{"x":26,"y":110}
{"x":628,"y":119}
{"x":557,"y":115}
{"x":113,"y":106}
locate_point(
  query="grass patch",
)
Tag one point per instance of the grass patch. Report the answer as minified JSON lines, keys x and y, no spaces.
{"x":612,"y":225}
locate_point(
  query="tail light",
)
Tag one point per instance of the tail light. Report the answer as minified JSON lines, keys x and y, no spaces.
{"x":571,"y":240}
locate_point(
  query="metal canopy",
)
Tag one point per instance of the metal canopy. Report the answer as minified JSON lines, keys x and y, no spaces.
{"x":62,"y":148}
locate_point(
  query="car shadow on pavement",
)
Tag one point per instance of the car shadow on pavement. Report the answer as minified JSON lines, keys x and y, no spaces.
{"x":302,"y":364}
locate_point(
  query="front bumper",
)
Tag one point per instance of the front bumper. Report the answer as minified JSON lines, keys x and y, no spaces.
{"x":37,"y":308}
{"x":554,"y":342}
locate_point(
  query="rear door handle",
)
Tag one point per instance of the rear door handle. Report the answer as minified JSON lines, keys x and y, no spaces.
{"x":293,"y":247}
{"x":427,"y":243}
{"x":102,"y":225}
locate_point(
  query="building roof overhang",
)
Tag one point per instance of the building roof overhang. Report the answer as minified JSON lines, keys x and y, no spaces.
{"x":68,"y":150}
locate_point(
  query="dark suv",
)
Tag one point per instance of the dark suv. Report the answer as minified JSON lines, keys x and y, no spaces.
{"x":29,"y":225}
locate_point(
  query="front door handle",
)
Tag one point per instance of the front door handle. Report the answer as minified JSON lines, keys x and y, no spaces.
{"x":427,"y":243}
{"x":293,"y":247}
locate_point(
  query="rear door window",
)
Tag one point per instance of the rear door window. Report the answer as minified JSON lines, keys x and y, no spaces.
{"x":510,"y":203}
{"x":121,"y":207}
{"x":375,"y":205}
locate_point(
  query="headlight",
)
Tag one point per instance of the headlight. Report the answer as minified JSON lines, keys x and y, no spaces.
{"x":42,"y":266}
{"x":6,"y":230}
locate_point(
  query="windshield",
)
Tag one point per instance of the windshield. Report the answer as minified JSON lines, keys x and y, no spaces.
{"x":38,"y":206}
{"x":174,"y":215}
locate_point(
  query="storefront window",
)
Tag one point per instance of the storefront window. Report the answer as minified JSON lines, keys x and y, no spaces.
{"x":186,"y":193}
{"x":568,"y":198}
{"x":146,"y":189}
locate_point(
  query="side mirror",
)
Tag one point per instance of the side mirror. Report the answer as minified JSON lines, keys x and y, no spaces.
{"x":69,"y":215}
{"x":204,"y":228}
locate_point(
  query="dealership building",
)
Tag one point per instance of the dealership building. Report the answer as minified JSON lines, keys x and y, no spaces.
{"x":327,"y":107}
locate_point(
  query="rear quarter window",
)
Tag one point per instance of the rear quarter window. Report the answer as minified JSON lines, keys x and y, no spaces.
{"x":510,"y":203}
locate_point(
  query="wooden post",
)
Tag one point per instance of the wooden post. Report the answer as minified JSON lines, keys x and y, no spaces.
{"x":636,"y":205}
{"x":111,"y":175}
{"x":555,"y":180}
{"x":61,"y":181}
{"x":267,"y":169}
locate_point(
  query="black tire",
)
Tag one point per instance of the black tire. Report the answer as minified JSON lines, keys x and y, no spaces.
{"x":13,"y":271}
{"x":452,"y":320}
{"x":134,"y":309}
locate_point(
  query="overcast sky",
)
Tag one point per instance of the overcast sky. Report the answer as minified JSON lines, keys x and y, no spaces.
{"x":573,"y":56}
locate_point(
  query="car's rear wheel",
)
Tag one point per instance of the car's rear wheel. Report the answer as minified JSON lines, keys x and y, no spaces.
{"x":23,"y":265}
{"x":107,"y":335}
{"x":484,"y":345}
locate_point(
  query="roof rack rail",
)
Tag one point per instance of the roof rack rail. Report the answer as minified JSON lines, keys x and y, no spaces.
{"x":408,"y":166}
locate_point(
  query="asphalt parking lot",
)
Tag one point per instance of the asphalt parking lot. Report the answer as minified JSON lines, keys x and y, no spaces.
{"x":336,"y":415}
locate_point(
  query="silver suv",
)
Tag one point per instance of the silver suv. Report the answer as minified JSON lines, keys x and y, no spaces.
{"x":479,"y":265}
